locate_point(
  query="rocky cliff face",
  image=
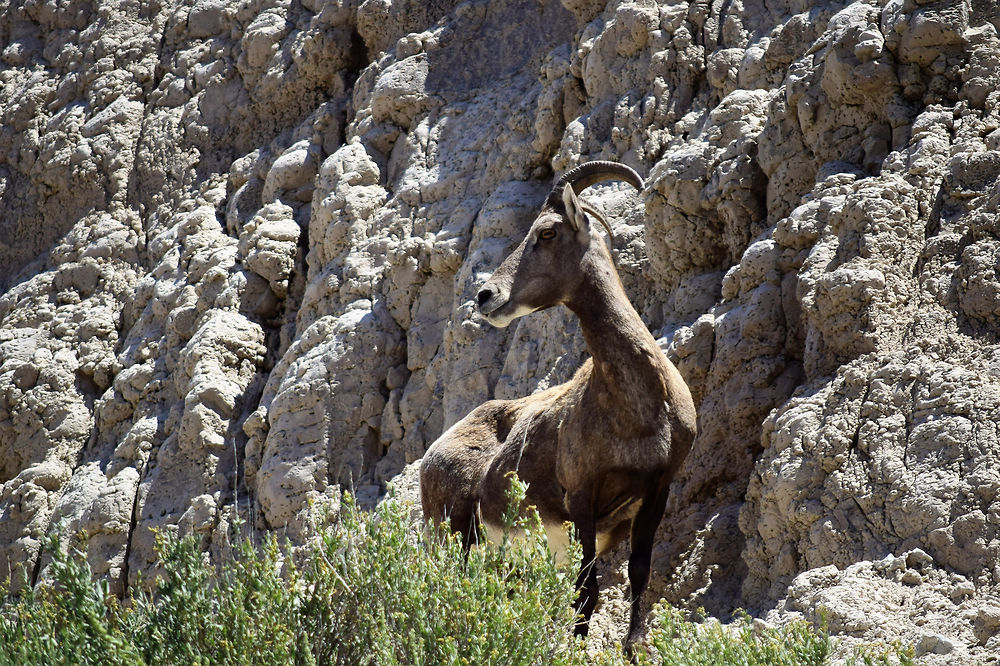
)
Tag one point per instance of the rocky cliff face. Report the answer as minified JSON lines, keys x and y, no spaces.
{"x":240,"y":241}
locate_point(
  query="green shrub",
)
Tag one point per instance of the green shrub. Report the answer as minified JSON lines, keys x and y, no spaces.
{"x":369,"y":590}
{"x":375,"y":592}
{"x":73,"y":622}
{"x":678,"y":642}
{"x":244,"y":614}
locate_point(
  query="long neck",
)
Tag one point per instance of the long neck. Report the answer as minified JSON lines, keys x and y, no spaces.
{"x":628,"y":364}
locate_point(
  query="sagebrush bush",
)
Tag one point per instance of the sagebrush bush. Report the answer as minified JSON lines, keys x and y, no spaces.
{"x":679,"y":642}
{"x":370,"y":589}
{"x":376,"y":590}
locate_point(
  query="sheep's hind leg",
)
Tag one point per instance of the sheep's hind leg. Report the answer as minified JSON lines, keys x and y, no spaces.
{"x":464,"y":521}
{"x":441,"y":503}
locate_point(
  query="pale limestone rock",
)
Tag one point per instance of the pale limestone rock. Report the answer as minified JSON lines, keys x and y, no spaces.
{"x":872,"y":601}
{"x":268,"y":246}
{"x":291,"y":174}
{"x":241,"y":242}
{"x":399,"y":95}
{"x":330,"y":393}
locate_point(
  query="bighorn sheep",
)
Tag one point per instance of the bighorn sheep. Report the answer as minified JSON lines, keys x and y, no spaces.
{"x":601,"y":449}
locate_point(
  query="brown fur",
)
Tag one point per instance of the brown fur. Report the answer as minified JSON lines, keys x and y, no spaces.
{"x":599,"y":450}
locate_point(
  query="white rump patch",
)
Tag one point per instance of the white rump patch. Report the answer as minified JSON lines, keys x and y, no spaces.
{"x":557,"y":536}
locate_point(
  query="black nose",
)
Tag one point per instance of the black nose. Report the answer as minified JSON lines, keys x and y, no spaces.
{"x":485,"y":294}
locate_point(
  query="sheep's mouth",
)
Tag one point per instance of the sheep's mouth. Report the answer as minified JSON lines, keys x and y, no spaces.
{"x":491,"y":306}
{"x":491,"y":312}
{"x":503,"y":313}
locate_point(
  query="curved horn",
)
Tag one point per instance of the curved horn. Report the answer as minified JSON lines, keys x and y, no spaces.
{"x":587,"y":208}
{"x":588,"y":174}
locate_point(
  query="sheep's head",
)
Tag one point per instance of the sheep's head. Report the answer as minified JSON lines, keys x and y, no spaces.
{"x":547,"y":266}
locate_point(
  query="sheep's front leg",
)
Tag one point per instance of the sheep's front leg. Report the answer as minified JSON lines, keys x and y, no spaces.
{"x":582,"y":513}
{"x":643,"y":535}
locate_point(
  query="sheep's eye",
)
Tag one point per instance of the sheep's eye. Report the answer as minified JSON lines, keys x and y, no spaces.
{"x":547,"y":234}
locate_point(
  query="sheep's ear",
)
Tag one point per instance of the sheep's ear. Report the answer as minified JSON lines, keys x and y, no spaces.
{"x":574,"y":212}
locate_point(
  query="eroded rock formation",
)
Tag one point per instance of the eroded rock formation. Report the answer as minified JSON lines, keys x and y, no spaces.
{"x":240,"y":241}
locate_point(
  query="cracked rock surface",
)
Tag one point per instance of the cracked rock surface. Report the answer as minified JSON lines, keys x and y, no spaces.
{"x":240,"y":242}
